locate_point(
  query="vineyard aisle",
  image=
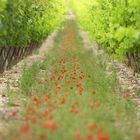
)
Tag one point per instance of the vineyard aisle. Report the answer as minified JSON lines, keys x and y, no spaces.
{"x":69,"y":96}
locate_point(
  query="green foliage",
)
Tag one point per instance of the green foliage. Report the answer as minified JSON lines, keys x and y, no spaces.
{"x":28,"y":78}
{"x":26,"y":21}
{"x":114,"y":24}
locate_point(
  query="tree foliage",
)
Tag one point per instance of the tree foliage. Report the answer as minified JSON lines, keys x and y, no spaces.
{"x":114,"y":24}
{"x":26,"y":21}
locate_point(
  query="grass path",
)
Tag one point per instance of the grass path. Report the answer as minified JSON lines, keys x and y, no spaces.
{"x":72,"y":98}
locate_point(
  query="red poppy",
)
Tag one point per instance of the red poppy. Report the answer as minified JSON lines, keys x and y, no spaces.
{"x":71,"y":88}
{"x":91,"y":126}
{"x":50,"y":125}
{"x":127,"y":95}
{"x":60,"y":77}
{"x":91,"y":136}
{"x":46,"y":98}
{"x":34,"y":120}
{"x":78,"y":85}
{"x":89,"y":75}
{"x":30,"y":108}
{"x":14,"y":113}
{"x":91,"y":107}
{"x":77,"y":135}
{"x":38,"y":102}
{"x":98,"y":104}
{"x":42,"y":137}
{"x":76,"y":111}
{"x":25,"y":129}
{"x":64,"y":71}
{"x":103,"y":137}
{"x":113,"y":91}
{"x":93,"y":92}
{"x":74,"y":104}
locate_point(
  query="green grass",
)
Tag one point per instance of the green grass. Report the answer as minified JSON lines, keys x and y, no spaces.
{"x":138,"y":92}
{"x":114,"y":115}
{"x":28,"y":78}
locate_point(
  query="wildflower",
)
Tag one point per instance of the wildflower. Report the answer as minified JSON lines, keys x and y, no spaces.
{"x":25,"y":129}
{"x":34,"y":99}
{"x":63,"y":100}
{"x":38,"y":102}
{"x":89,"y":75}
{"x":56,"y":83}
{"x":77,"y":135}
{"x":59,"y":87}
{"x":75,"y":73}
{"x":76,"y":111}
{"x":50,"y":109}
{"x":34,"y":120}
{"x":74,"y":104}
{"x":103,"y":137}
{"x":55,"y":101}
{"x":46,"y":98}
{"x":64,"y":71}
{"x":91,"y":136}
{"x":97,"y":104}
{"x":93,"y":92}
{"x":127,"y":95}
{"x":42,"y":137}
{"x":71,"y":88}
{"x":30,"y":108}
{"x":91,"y":127}
{"x":60,"y":77}
{"x":50,"y":125}
{"x":44,"y":113}
{"x":91,"y":107}
{"x":14,"y":113}
{"x":78,"y":85}
{"x":57,"y":91}
{"x":113,"y":91}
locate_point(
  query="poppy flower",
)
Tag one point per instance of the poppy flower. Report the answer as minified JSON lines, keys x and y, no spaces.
{"x":91,"y":107}
{"x":91,"y":126}
{"x":64,"y":71}
{"x":91,"y":136}
{"x":78,"y":85}
{"x":38,"y":102}
{"x":113,"y":91}
{"x":30,"y":108}
{"x":35,"y":99}
{"x":55,"y":101}
{"x":103,"y":137}
{"x":44,"y":113}
{"x":71,"y":88}
{"x":14,"y":113}
{"x":127,"y":95}
{"x":25,"y":129}
{"x":42,"y":137}
{"x":98,"y":104}
{"x":60,"y":77}
{"x":89,"y":75}
{"x":76,"y":111}
{"x":74,"y":104}
{"x":93,"y":92}
{"x":77,"y":135}
{"x":50,"y":125}
{"x":75,"y":73}
{"x":57,"y":90}
{"x":34,"y":120}
{"x":46,"y":98}
{"x":81,"y":90}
